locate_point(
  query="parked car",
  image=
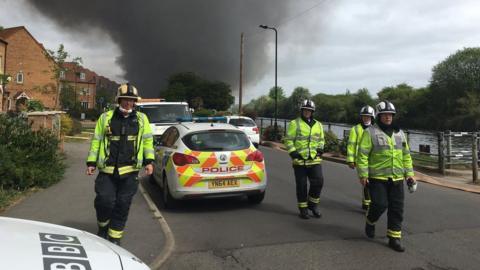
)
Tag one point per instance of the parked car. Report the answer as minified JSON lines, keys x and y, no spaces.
{"x":33,"y":245}
{"x":247,"y":125}
{"x":198,"y":160}
{"x":162,"y":114}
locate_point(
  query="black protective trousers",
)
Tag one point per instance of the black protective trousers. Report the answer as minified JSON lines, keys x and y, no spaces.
{"x":303,"y":175}
{"x":114,"y":197}
{"x":366,"y":196}
{"x":386,"y":194}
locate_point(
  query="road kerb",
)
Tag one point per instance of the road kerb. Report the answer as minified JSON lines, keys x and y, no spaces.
{"x":169,"y":239}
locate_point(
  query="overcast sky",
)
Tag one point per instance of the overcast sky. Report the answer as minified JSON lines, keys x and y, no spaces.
{"x":343,"y":44}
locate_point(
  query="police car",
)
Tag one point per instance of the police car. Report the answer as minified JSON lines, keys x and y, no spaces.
{"x":198,"y":160}
{"x":33,"y":245}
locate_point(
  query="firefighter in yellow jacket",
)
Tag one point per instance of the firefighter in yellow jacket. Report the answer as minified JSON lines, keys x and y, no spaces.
{"x":305,"y":142}
{"x":383,"y":163}
{"x":367,"y":115}
{"x":122,"y":144}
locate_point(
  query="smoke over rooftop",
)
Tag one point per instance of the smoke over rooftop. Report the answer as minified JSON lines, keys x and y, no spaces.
{"x":159,"y":38}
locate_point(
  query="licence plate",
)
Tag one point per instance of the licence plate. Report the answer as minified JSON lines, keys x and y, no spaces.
{"x":223,"y":183}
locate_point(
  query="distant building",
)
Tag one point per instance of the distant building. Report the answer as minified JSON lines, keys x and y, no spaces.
{"x":31,"y":69}
{"x":3,"y":54}
{"x":107,"y":87}
{"x":83,"y":82}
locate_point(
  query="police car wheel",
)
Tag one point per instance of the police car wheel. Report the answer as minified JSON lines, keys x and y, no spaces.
{"x":256,"y":198}
{"x":168,"y":200}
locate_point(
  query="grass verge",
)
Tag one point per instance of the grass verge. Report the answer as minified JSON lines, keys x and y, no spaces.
{"x":9,"y":197}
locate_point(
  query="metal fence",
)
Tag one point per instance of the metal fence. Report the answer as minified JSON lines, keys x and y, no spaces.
{"x":441,"y":151}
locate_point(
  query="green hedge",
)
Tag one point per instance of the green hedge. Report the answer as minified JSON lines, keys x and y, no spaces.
{"x":27,"y":158}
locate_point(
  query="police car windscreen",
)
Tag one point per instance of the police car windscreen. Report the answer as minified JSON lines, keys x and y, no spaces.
{"x":165,"y":113}
{"x":216,"y":140}
{"x":241,"y":122}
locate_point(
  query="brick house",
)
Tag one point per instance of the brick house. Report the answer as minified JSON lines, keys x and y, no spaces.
{"x":108,"y":88}
{"x":83,"y":82}
{"x":30,"y":68}
{"x":3,"y":53}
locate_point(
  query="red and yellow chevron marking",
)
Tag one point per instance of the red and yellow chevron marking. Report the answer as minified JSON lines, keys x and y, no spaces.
{"x":188,"y":177}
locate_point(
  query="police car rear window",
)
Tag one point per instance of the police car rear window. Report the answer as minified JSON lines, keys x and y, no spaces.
{"x":242,"y":122}
{"x":216,"y":140}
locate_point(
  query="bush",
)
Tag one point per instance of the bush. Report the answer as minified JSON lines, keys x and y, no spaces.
{"x":70,"y":126}
{"x":204,"y":113}
{"x":269,"y":134}
{"x":77,"y":127}
{"x":67,"y":124}
{"x":332,"y":144}
{"x":223,"y":113}
{"x":35,"y":106}
{"x":29,"y":158}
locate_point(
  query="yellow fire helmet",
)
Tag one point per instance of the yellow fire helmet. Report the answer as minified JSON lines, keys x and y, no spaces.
{"x":127,"y":90}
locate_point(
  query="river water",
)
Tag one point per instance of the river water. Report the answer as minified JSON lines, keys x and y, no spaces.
{"x":459,"y":144}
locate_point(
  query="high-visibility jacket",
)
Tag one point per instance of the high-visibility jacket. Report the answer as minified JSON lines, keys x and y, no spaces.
{"x":356,"y":133}
{"x":382,"y":157}
{"x":99,"y":148}
{"x":305,"y":139}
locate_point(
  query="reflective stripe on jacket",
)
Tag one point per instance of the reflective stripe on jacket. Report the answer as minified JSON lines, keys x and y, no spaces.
{"x":99,"y":148}
{"x":381,"y":156}
{"x":356,"y":133}
{"x":305,"y":140}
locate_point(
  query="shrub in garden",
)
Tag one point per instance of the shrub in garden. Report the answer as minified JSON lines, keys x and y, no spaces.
{"x":27,"y":158}
{"x":35,"y":106}
{"x":66,"y":124}
{"x":70,"y":126}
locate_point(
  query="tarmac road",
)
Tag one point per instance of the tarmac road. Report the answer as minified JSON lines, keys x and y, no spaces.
{"x":441,"y":228}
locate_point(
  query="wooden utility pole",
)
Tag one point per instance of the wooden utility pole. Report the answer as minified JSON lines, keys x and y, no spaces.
{"x":240,"y":92}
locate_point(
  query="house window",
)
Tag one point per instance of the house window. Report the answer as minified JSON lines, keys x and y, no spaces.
{"x":84,"y":104}
{"x":86,"y":91}
{"x":82,"y":76}
{"x":20,"y":77}
{"x":62,"y":74}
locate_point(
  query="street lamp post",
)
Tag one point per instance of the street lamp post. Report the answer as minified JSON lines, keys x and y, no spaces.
{"x":275,"y":126}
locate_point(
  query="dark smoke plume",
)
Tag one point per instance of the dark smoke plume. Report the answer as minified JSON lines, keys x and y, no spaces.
{"x":160,"y":37}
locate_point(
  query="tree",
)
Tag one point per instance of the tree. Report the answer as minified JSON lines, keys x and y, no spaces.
{"x":187,"y":86}
{"x":104,"y":96}
{"x":295,"y":99}
{"x":59,"y":57}
{"x":280,"y":93}
{"x":453,"y":80}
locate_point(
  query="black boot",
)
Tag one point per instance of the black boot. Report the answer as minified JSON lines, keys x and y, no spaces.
{"x":115,"y":241}
{"x":102,"y":232}
{"x":396,"y":244}
{"x":365,"y":207}
{"x":370,"y":230}
{"x":315,"y":212}
{"x":303,"y":213}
